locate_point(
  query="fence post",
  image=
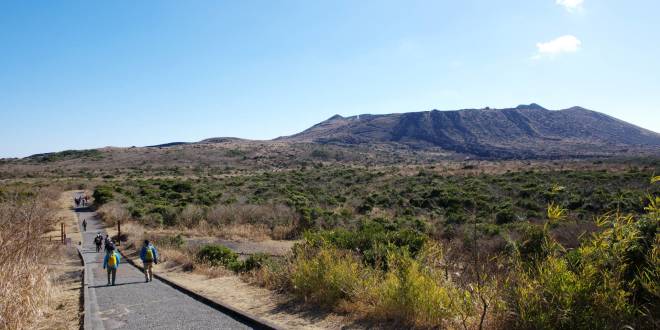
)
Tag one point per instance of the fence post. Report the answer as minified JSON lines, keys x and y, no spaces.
{"x":62,"y":232}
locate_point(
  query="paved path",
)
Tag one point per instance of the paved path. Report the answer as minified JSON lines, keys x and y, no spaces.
{"x":134,"y":304}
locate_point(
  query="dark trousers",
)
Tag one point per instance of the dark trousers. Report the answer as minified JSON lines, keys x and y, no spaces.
{"x":112,"y":273}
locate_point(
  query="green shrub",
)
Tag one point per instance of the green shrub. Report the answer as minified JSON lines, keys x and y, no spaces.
{"x":168,"y":214}
{"x":326,"y":275}
{"x":413,"y":293}
{"x":176,"y":241}
{"x":217,"y":255}
{"x":610,"y":281}
{"x":373,"y":240}
{"x":554,"y":297}
{"x":102,"y":195}
{"x":254,"y":261}
{"x":182,"y":187}
{"x":504,"y":217}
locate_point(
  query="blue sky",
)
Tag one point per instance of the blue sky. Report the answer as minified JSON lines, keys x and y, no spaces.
{"x":84,"y":74}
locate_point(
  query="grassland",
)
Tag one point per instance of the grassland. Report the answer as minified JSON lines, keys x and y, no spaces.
{"x":405,"y":244}
{"x":467,"y":244}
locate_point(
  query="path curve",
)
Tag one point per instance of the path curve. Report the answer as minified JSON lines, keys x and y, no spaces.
{"x":134,"y":304}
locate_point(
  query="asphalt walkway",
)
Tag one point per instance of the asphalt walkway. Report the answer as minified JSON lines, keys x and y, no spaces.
{"x":134,"y":304}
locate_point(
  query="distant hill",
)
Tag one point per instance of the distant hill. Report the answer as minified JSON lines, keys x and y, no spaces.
{"x":526,"y":131}
{"x":167,"y":145}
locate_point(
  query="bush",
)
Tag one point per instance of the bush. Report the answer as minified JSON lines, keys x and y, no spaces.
{"x":218,"y":255}
{"x":553,"y":296}
{"x":182,"y":187}
{"x":102,"y":195}
{"x":530,"y":245}
{"x":417,"y":295}
{"x":410,"y":292}
{"x":327,"y":276}
{"x":608,"y":282}
{"x":373,"y":240}
{"x":504,"y":216}
{"x":176,"y":242}
{"x":113,"y":212}
{"x":168,"y":214}
{"x":254,"y":261}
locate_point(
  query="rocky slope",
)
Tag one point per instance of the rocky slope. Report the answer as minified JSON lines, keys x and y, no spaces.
{"x":526,"y":131}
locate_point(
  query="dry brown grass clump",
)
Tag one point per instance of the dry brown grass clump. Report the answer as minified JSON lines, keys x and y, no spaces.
{"x":257,"y":222}
{"x":113,"y":212}
{"x":24,"y":285}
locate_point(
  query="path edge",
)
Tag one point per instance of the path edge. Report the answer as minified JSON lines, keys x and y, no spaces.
{"x":256,"y":322}
{"x":87,"y":317}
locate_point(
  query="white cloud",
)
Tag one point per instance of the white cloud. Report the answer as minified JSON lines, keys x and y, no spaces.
{"x":563,"y":44}
{"x":571,"y":5}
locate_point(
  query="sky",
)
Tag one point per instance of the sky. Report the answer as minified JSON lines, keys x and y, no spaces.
{"x":87,"y":74}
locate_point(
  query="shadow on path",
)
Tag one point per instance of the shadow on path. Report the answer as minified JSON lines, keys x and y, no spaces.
{"x":117,"y":284}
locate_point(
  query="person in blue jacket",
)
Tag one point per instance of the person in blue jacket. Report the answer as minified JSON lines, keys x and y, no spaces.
{"x":111,"y":263}
{"x":149,"y":256}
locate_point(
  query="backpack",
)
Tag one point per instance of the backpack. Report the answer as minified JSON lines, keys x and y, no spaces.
{"x":150,"y":254}
{"x":112,"y":261}
{"x":97,"y":240}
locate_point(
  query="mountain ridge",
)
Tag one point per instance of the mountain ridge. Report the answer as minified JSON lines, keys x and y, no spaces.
{"x":526,"y":131}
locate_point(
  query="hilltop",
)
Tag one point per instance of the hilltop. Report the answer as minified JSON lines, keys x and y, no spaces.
{"x":526,"y":131}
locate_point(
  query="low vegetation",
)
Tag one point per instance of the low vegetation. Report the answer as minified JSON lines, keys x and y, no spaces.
{"x":610,"y":280}
{"x":414,"y":247}
{"x":283,"y":205}
{"x":394,"y":272}
{"x":218,"y":255}
{"x":559,"y":249}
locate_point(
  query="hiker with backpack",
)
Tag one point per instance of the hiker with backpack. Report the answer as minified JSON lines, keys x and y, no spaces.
{"x":108,"y":244}
{"x":84,"y":224}
{"x":149,"y":256}
{"x":98,"y":241}
{"x":111,"y":263}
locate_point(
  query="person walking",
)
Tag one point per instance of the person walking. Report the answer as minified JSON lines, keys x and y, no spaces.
{"x":84,"y":224}
{"x":111,"y":263}
{"x":98,"y":241}
{"x":108,"y":244}
{"x":149,"y":256}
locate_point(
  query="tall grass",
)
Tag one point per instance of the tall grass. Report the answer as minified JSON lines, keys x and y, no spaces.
{"x":112,"y":212}
{"x":411,"y":292}
{"x":418,"y":295}
{"x":24,"y":285}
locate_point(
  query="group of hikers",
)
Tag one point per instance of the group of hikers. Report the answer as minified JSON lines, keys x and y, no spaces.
{"x":81,"y":201}
{"x":148,"y":255}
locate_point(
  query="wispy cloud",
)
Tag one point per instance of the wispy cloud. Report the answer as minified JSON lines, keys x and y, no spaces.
{"x":552,"y":48}
{"x":571,"y":5}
